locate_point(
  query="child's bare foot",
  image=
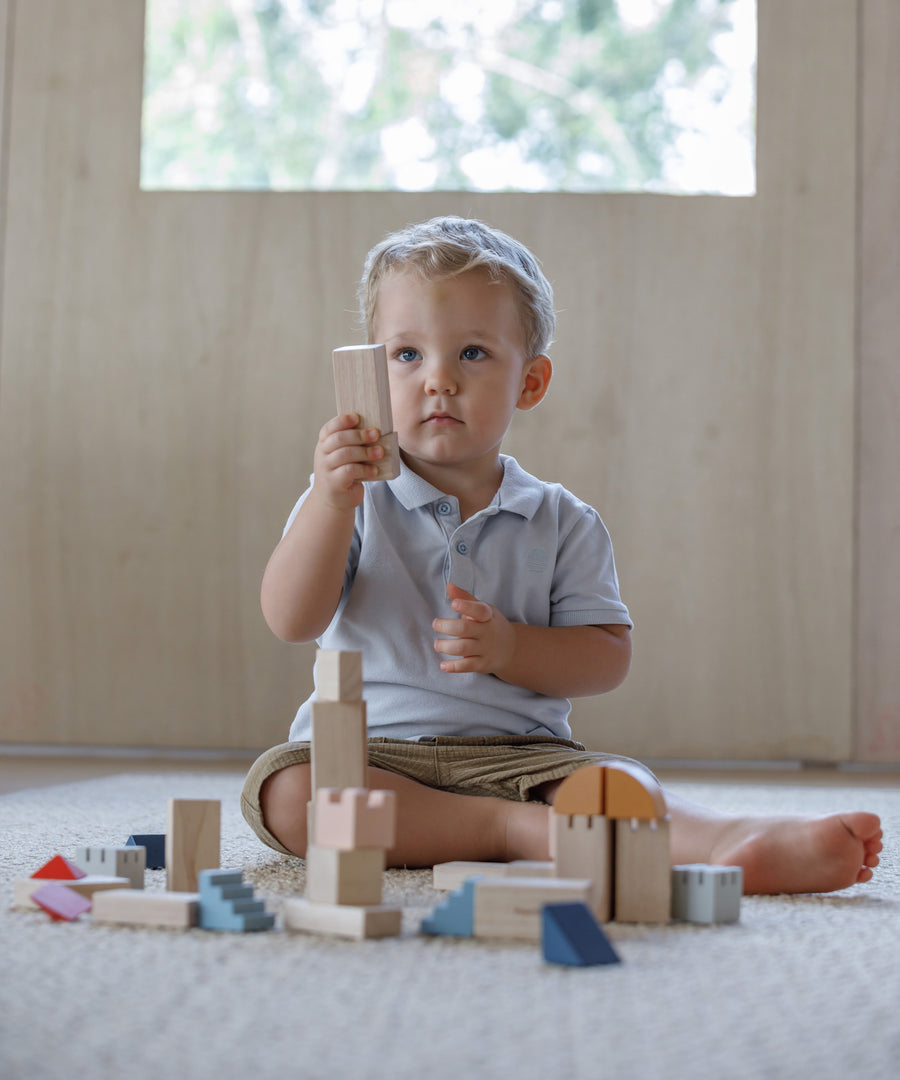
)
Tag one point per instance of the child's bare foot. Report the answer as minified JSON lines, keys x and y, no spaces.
{"x":801,"y":855}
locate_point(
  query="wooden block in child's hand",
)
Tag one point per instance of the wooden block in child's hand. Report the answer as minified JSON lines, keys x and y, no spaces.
{"x":361,"y":387}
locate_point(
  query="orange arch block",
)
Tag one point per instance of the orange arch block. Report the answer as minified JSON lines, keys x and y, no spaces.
{"x":581,"y":792}
{"x":631,"y":792}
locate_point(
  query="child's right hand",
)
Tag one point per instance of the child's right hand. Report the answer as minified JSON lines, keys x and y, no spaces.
{"x":345,"y":457}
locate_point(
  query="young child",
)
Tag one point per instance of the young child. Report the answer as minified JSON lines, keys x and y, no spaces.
{"x":481,"y":597}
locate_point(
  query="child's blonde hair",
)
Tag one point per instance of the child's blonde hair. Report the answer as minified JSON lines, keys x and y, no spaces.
{"x":447,"y":246}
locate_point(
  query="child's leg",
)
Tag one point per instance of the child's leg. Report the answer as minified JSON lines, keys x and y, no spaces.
{"x":433,"y":826}
{"x":777,"y":854}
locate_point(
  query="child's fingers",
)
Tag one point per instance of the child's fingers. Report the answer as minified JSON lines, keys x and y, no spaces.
{"x":453,"y":628}
{"x":459,"y":647}
{"x":476,"y":610}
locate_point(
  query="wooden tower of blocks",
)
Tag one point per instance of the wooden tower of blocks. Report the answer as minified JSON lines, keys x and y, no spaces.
{"x":610,"y":823}
{"x":350,"y":827}
{"x":361,"y":387}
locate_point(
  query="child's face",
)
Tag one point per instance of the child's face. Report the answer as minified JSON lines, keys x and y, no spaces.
{"x":457,"y":363}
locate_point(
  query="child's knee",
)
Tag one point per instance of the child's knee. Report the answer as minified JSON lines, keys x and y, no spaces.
{"x":283,"y":801}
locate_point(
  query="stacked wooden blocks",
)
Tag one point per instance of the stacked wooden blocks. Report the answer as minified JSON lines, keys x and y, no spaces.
{"x":361,"y":387}
{"x":610,"y":823}
{"x":609,"y":826}
{"x":350,"y":827}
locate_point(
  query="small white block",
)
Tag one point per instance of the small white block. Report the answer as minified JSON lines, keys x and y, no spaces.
{"x":707,"y":894}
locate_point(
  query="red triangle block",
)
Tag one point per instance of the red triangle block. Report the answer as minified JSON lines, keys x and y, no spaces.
{"x":60,"y":869}
{"x":60,"y":902}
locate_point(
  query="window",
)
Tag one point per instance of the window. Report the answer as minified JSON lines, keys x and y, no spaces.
{"x":479,"y":95}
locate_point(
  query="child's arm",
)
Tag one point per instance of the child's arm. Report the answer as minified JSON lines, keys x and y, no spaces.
{"x":560,"y":661}
{"x":302,"y":582}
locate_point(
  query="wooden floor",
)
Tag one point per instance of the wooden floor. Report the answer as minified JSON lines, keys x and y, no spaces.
{"x":20,"y":771}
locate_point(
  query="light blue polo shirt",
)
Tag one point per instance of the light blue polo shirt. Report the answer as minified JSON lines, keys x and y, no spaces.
{"x":537,"y":553}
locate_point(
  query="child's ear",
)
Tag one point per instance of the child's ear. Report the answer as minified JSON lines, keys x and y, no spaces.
{"x":538,"y":372}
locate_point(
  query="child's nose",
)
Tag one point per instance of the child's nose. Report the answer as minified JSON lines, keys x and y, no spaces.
{"x":440,"y":378}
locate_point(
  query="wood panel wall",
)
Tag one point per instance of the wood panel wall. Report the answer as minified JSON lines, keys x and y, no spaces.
{"x":165,"y":369}
{"x":878,"y":567}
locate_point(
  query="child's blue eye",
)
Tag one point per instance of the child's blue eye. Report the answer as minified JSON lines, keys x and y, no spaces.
{"x":406,"y":356}
{"x":472,"y":352}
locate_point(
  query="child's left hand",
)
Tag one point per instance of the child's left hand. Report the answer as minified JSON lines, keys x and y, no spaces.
{"x":480,"y":640}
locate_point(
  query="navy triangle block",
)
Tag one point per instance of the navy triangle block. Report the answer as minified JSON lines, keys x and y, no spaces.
{"x":571,"y":935}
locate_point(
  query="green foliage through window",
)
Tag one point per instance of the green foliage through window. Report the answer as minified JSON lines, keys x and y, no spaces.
{"x":478,"y":95}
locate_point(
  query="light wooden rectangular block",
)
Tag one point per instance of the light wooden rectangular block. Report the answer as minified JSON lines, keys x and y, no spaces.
{"x":350,"y":818}
{"x":91,"y":885}
{"x":531,"y":868}
{"x":342,"y":920}
{"x":643,"y":874}
{"x":338,"y":675}
{"x":361,"y":386}
{"x":136,"y":907}
{"x":339,"y":749}
{"x":193,"y":831}
{"x":511,"y":907}
{"x":582,"y":846}
{"x":453,"y":875}
{"x":344,"y":877}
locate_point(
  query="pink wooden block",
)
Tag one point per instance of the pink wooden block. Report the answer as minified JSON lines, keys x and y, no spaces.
{"x":351,"y":818}
{"x":61,"y":902}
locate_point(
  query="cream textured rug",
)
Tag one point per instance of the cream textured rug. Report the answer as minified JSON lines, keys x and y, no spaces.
{"x":801,"y":987}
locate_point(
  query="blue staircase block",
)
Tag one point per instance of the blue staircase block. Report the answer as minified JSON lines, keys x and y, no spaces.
{"x":226,"y":903}
{"x":571,"y":935}
{"x":455,"y":916}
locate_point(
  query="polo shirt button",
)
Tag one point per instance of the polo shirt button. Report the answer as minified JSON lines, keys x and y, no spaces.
{"x":462,"y":547}
{"x":444,"y":508}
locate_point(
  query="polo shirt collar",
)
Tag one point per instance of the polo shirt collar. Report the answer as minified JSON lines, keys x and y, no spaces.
{"x":520,"y":493}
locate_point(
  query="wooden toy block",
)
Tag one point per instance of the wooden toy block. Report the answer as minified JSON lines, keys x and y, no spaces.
{"x":350,"y":818}
{"x":531,"y":868}
{"x":192,"y":841}
{"x":643,"y":873}
{"x":361,"y":386}
{"x":342,"y":920}
{"x":128,"y":862}
{"x":707,"y":894}
{"x":455,"y":916}
{"x":136,"y":907}
{"x":338,"y":675}
{"x":88,"y":886}
{"x":582,"y":792}
{"x":339,"y":748}
{"x":59,"y":869}
{"x":582,"y":847}
{"x":631,"y":792}
{"x":453,"y":875}
{"x":511,"y":907}
{"x":570,"y":935}
{"x":155,"y":845}
{"x":61,"y":902}
{"x":226,"y":903}
{"x":344,"y":877}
